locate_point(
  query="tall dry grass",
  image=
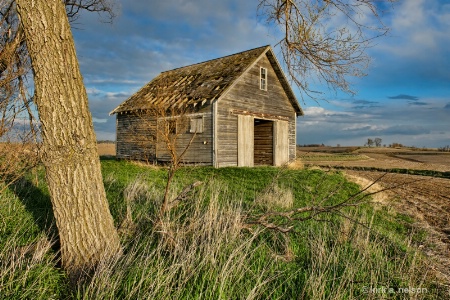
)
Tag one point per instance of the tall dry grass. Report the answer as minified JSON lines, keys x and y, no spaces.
{"x":198,"y":250}
{"x":203,"y":249}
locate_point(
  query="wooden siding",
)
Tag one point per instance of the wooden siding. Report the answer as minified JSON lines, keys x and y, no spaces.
{"x":246,"y":95}
{"x":135,"y":137}
{"x":221,"y":91}
{"x":200,"y":149}
{"x":245,"y":141}
{"x":281,"y":133}
{"x":139,"y":139}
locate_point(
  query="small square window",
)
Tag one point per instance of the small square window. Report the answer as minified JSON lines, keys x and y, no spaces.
{"x":172,"y":126}
{"x":196,"y":125}
{"x":263,"y":79}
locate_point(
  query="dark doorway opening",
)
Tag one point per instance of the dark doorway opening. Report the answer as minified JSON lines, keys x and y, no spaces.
{"x":263,"y":142}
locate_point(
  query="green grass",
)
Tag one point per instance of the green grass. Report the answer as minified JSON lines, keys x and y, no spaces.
{"x":334,"y":157}
{"x":205,"y":248}
{"x":431,"y":173}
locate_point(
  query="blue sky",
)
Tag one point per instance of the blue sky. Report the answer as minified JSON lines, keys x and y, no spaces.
{"x":405,"y":97}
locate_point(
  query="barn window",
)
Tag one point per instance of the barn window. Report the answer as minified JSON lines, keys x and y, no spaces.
{"x":172,"y":126}
{"x":196,"y":125}
{"x":263,"y":79}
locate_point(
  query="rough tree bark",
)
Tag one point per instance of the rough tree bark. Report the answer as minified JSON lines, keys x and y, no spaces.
{"x":86,"y":228}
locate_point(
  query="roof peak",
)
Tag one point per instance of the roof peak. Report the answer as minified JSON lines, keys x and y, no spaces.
{"x":210,"y":60}
{"x":202,"y":83}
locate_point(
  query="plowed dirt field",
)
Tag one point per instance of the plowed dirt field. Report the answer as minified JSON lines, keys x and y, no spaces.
{"x":425,"y":198}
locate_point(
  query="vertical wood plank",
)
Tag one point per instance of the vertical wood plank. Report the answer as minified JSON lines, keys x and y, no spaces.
{"x":245,"y":141}
{"x":281,"y":141}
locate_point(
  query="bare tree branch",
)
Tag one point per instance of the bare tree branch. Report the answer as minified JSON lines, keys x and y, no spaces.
{"x":325,"y":40}
{"x":19,"y":124}
{"x":103,"y":7}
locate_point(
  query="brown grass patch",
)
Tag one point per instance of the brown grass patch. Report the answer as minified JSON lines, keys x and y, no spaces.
{"x":296,"y":165}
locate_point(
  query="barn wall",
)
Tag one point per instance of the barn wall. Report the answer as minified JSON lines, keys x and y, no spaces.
{"x":200,"y":149}
{"x":135,"y":137}
{"x":139,"y":139}
{"x":247,"y":96}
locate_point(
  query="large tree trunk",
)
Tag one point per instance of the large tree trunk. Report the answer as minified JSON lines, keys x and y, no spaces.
{"x":85,"y":225}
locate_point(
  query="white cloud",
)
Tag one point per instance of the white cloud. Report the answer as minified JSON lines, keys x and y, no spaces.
{"x":97,"y":120}
{"x":314,"y":111}
{"x":418,"y":25}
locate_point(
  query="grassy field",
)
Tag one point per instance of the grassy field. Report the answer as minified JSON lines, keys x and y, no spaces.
{"x":209,"y":247}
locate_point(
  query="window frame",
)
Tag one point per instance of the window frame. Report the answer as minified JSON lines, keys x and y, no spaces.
{"x":194,"y":129}
{"x":263,"y":78}
{"x":172,"y":126}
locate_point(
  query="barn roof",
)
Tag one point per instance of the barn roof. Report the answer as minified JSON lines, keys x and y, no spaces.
{"x":200,"y":84}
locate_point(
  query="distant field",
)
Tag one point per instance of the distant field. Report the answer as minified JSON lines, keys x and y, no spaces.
{"x":332,"y":157}
{"x":107,"y":149}
{"x":382,"y":158}
{"x":328,"y":149}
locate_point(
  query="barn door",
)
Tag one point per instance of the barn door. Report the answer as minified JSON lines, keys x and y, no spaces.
{"x":281,"y":143}
{"x":245,"y":141}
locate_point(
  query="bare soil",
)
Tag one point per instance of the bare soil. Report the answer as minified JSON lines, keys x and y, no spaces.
{"x":425,"y":198}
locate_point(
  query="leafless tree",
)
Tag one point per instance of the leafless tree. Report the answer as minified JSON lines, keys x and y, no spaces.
{"x":378,"y":142}
{"x":18,"y":125}
{"x":165,"y":130}
{"x":444,"y":148}
{"x":325,"y":40}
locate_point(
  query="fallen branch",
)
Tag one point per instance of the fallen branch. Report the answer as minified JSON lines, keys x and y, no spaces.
{"x":184,"y":194}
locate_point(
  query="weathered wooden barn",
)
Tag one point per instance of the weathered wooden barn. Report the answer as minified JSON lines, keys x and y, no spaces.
{"x":237,"y":110}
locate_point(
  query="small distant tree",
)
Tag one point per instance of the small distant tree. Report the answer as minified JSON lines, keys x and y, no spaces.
{"x":369,"y":142}
{"x":445,"y":148}
{"x":378,"y":142}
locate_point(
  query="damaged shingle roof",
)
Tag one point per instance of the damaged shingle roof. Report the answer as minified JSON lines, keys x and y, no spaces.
{"x":196,"y":84}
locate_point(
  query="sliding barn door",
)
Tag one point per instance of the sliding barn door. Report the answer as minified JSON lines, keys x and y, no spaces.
{"x":245,"y":141}
{"x":281,"y":142}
